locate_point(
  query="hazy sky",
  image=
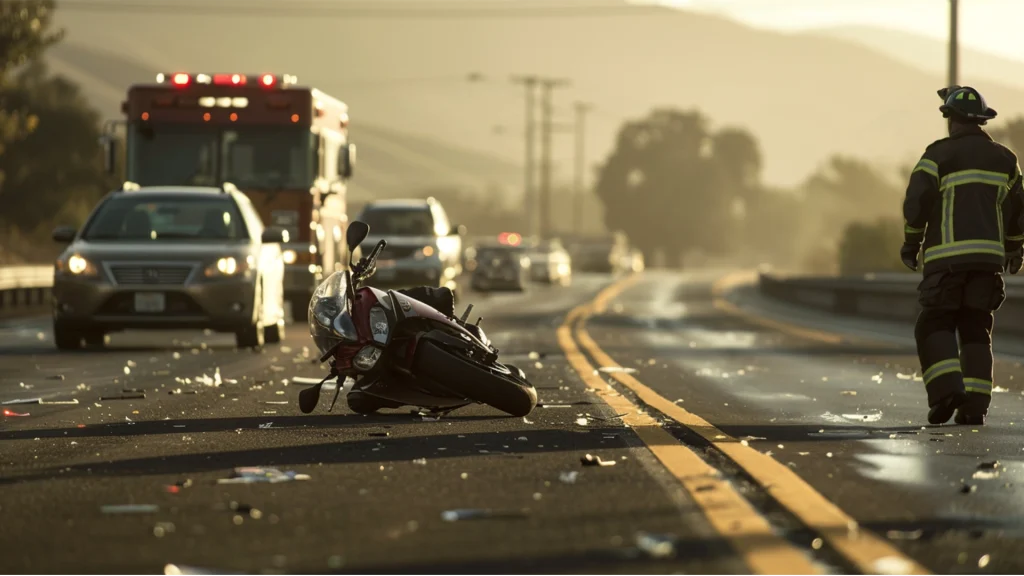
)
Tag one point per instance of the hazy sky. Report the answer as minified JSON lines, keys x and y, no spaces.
{"x":990,"y":25}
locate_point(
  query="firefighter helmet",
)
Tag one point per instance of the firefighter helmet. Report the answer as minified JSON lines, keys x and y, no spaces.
{"x":964,"y":102}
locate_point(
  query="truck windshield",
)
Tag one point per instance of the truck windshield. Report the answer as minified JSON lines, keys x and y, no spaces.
{"x":252,"y":157}
{"x":172,"y":218}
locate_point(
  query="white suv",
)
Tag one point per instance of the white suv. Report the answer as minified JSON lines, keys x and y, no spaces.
{"x":424,"y":248}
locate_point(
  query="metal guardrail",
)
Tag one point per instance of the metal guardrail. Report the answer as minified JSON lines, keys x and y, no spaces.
{"x":882,"y":296}
{"x":24,"y":287}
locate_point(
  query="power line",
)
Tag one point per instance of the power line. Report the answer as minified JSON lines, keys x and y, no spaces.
{"x":547,"y":86}
{"x":529,"y":202}
{"x":579,"y":166}
{"x":294,"y":8}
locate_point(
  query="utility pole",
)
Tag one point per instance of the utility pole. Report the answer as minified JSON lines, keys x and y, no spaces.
{"x":953,"y":42}
{"x":529,"y":196}
{"x":581,"y":109}
{"x":547,"y":86}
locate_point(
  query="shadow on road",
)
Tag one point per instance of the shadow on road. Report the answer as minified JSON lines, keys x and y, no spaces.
{"x":339,"y":451}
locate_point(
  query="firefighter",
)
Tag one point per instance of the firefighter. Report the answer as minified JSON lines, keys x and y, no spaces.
{"x":964,"y":203}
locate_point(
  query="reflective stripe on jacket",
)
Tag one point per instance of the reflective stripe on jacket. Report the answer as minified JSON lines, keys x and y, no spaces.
{"x":965,"y":201}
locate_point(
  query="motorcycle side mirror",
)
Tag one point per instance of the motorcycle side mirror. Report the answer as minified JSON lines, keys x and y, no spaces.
{"x":356,"y":233}
{"x":309,"y":398}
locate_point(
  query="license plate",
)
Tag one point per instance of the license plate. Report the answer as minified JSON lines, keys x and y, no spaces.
{"x":150,"y":302}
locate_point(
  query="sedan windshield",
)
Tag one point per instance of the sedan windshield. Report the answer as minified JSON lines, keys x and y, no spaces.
{"x":171,"y":218}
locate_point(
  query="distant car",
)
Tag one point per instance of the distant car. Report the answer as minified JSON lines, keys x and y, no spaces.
{"x":500,"y":268}
{"x":602,"y":255}
{"x":424,"y":248}
{"x":177,"y":257}
{"x":550,"y":263}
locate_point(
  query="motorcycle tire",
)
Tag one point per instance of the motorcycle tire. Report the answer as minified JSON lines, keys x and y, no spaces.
{"x":475,"y":381}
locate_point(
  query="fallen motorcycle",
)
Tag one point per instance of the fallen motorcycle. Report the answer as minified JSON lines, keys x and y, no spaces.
{"x":402,"y":352}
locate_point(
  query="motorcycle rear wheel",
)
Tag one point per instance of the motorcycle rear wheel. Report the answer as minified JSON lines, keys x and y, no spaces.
{"x":476,"y":381}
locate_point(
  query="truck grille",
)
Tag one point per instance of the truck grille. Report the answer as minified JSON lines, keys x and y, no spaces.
{"x":150,"y":275}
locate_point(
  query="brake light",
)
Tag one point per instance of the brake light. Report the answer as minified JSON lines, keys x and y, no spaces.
{"x":510,"y":238}
{"x":268,"y":80}
{"x":229,"y":79}
{"x":181,"y":79}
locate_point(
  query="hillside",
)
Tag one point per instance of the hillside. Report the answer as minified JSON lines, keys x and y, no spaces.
{"x":391,"y":163}
{"x":930,"y":54}
{"x":805,"y":96}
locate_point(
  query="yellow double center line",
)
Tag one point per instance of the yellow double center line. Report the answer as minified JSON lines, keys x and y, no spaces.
{"x":728,"y":512}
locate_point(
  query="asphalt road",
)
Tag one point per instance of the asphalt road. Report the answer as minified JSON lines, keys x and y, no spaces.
{"x":726,"y":430}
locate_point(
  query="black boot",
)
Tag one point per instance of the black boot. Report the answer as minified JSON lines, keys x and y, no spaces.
{"x":966,"y":418}
{"x":941,"y":412}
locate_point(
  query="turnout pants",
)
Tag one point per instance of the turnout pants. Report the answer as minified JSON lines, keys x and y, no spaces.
{"x":958,"y":303}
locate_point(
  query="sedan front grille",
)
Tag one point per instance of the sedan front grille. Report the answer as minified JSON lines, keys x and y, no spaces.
{"x":148,"y":275}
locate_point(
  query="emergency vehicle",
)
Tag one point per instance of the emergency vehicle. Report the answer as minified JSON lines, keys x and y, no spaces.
{"x":285,"y":146}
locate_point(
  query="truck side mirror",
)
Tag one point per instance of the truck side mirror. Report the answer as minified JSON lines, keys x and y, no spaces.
{"x":346,"y":160}
{"x":109,"y":154}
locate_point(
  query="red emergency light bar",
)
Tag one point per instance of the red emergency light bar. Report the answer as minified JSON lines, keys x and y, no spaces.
{"x":229,"y":79}
{"x":184,"y":79}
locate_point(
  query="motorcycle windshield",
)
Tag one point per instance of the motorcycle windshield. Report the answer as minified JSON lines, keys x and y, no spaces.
{"x":330,"y":322}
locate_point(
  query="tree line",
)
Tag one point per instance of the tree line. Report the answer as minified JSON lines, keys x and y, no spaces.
{"x":51,"y":167}
{"x":675,"y":186}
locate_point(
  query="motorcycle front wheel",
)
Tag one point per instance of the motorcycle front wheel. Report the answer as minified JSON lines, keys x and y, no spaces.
{"x":489,"y":385}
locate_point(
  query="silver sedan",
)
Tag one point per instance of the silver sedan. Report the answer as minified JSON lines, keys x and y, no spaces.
{"x":170,"y":258}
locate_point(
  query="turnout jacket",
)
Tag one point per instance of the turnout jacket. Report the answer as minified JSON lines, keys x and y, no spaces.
{"x":965,"y":202}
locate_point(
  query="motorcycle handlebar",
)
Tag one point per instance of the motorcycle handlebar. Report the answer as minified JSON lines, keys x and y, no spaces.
{"x":376,"y":251}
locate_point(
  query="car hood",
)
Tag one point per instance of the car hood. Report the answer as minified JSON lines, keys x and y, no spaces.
{"x":165,"y":252}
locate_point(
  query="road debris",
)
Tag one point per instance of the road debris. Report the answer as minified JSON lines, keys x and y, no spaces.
{"x":993,"y":465}
{"x":615,"y":369}
{"x":656,"y":545}
{"x":849,"y":392}
{"x":255,"y":474}
{"x":568,"y":477}
{"x":129,"y":396}
{"x":591,"y":460}
{"x":163,"y":528}
{"x":129,"y":508}
{"x":904,"y":534}
{"x":477,"y":514}
{"x":182,"y":570}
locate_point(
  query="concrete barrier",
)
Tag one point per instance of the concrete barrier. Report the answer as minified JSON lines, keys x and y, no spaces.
{"x":883,"y":296}
{"x":25,"y":289}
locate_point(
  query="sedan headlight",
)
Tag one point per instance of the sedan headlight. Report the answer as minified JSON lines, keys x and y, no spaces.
{"x":379,"y":324}
{"x":425,"y":252}
{"x":76,"y":265}
{"x":366,"y":358}
{"x":228,"y":266}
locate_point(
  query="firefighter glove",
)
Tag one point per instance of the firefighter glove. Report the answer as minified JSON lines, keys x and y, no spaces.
{"x":1014,"y":262}
{"x":908,"y":254}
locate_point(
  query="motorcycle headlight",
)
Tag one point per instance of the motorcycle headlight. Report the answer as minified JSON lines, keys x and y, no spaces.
{"x":379,"y":324}
{"x":366,"y":358}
